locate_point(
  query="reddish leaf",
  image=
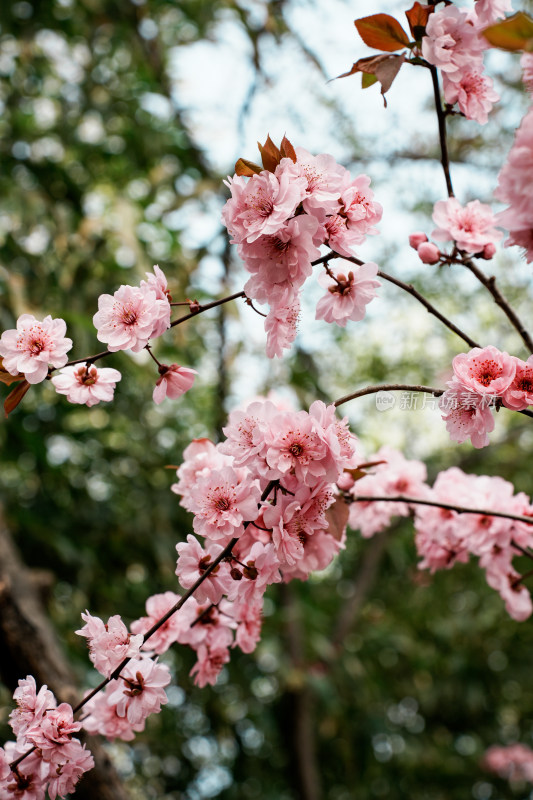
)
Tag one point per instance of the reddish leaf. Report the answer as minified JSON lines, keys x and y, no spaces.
{"x":361,"y":471}
{"x":382,"y":32}
{"x":6,"y":377}
{"x":337,"y":518}
{"x":270,"y":154}
{"x":15,"y":396}
{"x":385,"y":67}
{"x":418,"y":16}
{"x":247,"y":168}
{"x":287,"y":150}
{"x":514,"y":33}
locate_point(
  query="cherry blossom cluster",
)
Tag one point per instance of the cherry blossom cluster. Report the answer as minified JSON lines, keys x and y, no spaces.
{"x":121,"y":710}
{"x":470,"y":227}
{"x":514,"y":762}
{"x":454,"y":43}
{"x":57,"y":760}
{"x":483,"y":379}
{"x":290,"y":458}
{"x":444,"y":537}
{"x":278,"y":220}
{"x":127,"y":320}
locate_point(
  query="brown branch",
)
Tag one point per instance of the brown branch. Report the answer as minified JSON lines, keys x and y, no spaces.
{"x":437,"y":504}
{"x":500,"y":300}
{"x":406,"y":387}
{"x":410,"y":289}
{"x":444,"y":160}
{"x":388,"y":387}
{"x":206,"y":307}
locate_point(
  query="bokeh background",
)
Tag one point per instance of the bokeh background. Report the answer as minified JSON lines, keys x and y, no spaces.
{"x":119,"y":121}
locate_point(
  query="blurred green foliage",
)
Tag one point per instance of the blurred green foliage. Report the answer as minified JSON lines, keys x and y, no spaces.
{"x":100,"y":175}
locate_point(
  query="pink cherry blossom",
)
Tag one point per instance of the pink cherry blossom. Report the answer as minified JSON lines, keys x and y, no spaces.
{"x":514,"y":188}
{"x":209,"y":664}
{"x":156,"y":607}
{"x":347,"y":296}
{"x":207,"y":624}
{"x":294,"y":446}
{"x":222,"y":501}
{"x":199,"y":458}
{"x":102,"y":718}
{"x":128,"y":319}
{"x":451,"y":42}
{"x":84,"y":383}
{"x":471,"y":419}
{"x":157,"y":282}
{"x":489,"y":11}
{"x":358,"y":206}
{"x":32,"y":705}
{"x":261,"y":206}
{"x":249,"y":621}
{"x":473,"y":92}
{"x":53,"y":730}
{"x":140,"y":690}
{"x":486,"y":371}
{"x":324,"y":178}
{"x":281,"y":328}
{"x":340,"y":236}
{"x":318,"y":552}
{"x":193,"y":560}
{"x":244,"y":434}
{"x":519,"y":394}
{"x":30,"y":780}
{"x":395,"y":476}
{"x":280,"y":262}
{"x":514,"y":762}
{"x":5,"y":769}
{"x":109,"y":643}
{"x":65,"y":776}
{"x":471,"y":226}
{"x":33,"y":345}
{"x":173,"y":382}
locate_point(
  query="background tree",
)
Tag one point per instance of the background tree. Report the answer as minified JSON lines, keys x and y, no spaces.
{"x":372,"y":679}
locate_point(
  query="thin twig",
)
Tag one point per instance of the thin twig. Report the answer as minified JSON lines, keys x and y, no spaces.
{"x":410,"y":289}
{"x":388,"y":387}
{"x":406,"y":387}
{"x":499,"y":299}
{"x":407,"y":287}
{"x":445,"y":161}
{"x":206,"y":307}
{"x":437,"y":504}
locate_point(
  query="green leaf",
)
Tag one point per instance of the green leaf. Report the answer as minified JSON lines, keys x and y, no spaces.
{"x":514,"y":33}
{"x":367,"y":80}
{"x":382,"y":32}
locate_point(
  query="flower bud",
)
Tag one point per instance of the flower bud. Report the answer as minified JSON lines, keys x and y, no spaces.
{"x":488,"y":251}
{"x":416,"y":239}
{"x":428,"y":252}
